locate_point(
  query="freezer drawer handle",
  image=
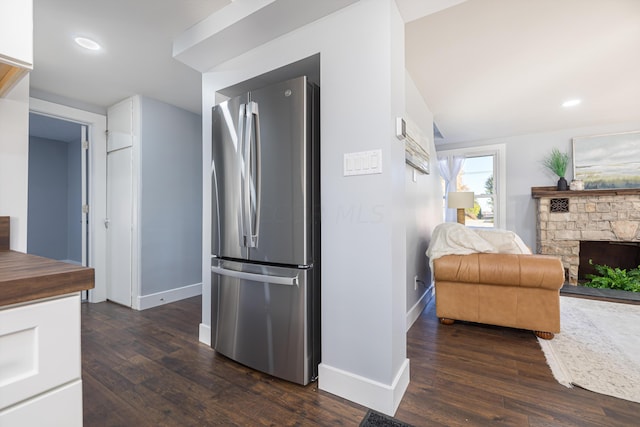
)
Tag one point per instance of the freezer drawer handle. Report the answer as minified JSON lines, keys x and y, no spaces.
{"x":277,"y":280}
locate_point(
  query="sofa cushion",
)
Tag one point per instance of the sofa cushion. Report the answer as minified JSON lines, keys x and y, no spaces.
{"x":529,"y":271}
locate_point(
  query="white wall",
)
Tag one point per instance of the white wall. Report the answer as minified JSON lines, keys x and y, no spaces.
{"x":363,"y":218}
{"x":14,"y":161}
{"x":524,"y":169}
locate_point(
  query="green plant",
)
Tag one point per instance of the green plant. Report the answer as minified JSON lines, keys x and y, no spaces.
{"x":488,"y":188}
{"x":557,"y":162}
{"x":614,"y":278}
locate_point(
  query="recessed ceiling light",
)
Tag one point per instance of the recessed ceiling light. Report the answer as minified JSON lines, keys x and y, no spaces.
{"x":87,"y":43}
{"x":571,"y":103}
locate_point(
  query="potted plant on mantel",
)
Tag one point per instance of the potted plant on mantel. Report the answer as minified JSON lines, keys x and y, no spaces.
{"x":557,"y":163}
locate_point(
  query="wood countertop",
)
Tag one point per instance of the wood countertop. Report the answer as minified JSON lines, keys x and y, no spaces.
{"x":25,"y":277}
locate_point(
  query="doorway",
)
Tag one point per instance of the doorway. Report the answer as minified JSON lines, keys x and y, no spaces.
{"x":57,"y":190}
{"x":97,"y":188}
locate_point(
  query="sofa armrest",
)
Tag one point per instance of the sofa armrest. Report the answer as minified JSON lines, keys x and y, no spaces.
{"x":526,"y":270}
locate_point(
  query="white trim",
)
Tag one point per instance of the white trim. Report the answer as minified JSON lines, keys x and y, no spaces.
{"x":364,"y":391}
{"x":415,"y":311}
{"x":165,"y":297}
{"x":136,"y":192}
{"x":97,"y":124}
{"x":204,"y":334}
{"x":500,"y":173}
{"x":85,"y":141}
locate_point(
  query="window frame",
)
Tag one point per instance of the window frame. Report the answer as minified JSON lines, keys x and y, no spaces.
{"x":499,"y":153}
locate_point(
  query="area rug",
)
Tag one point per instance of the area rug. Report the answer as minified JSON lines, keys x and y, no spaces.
{"x":598,"y":347}
{"x":376,"y":419}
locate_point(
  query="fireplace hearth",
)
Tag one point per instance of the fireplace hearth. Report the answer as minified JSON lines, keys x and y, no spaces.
{"x":567,"y":218}
{"x":611,"y":295}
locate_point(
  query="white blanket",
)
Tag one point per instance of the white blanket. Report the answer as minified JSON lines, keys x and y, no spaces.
{"x":451,"y":238}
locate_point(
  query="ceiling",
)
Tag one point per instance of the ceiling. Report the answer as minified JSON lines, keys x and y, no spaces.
{"x":137,"y":40}
{"x":486,"y":68}
{"x":495,"y":68}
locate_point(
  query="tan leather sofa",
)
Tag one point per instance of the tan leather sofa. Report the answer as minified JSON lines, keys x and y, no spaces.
{"x":514,"y":290}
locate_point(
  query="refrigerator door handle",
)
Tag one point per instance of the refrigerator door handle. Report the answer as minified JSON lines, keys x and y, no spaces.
{"x":258,"y":177}
{"x":263,"y":278}
{"x":243,"y":161}
{"x":252,"y":175}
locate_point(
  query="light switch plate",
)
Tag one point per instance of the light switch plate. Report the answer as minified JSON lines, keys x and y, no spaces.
{"x":363,"y":163}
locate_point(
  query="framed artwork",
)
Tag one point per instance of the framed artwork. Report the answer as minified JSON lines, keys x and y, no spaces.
{"x":607,"y":161}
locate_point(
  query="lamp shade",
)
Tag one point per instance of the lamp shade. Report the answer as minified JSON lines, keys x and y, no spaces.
{"x":460,"y":200}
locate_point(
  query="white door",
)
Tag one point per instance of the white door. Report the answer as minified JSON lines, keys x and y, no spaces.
{"x":84,"y":196}
{"x":119,"y":221}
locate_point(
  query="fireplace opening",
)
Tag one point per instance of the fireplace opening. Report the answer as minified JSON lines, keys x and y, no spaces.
{"x":625,"y":255}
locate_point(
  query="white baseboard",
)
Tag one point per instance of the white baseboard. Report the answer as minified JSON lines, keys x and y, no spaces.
{"x":418,"y":307}
{"x":165,"y":297}
{"x":364,"y":391}
{"x":205,"y":334}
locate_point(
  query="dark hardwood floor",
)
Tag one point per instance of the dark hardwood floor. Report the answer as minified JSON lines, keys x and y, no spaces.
{"x":148,"y":369}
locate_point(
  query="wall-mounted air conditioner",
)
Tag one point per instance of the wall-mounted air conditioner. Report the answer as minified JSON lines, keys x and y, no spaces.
{"x":415,"y":153}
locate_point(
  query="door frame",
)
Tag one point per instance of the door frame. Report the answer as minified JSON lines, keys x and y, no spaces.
{"x":97,"y":189}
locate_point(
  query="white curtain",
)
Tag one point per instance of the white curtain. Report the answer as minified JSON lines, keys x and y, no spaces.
{"x":449,"y":169}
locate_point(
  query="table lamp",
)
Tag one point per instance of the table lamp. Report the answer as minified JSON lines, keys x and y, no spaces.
{"x":460,"y":200}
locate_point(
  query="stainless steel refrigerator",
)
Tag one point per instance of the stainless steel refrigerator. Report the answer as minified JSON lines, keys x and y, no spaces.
{"x":265,"y":230}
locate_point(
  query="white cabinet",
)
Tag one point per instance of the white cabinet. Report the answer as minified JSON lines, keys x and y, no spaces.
{"x":58,"y":408}
{"x":16,"y":42}
{"x":122,"y":184}
{"x":40,"y":364}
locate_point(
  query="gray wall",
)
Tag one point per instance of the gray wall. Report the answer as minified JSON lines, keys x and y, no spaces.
{"x":524,"y":169}
{"x":74,"y":201}
{"x":54,"y":199}
{"x":170,"y":197}
{"x":364,"y":246}
{"x":423,"y":201}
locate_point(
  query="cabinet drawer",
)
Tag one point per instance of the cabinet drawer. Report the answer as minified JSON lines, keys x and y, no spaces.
{"x":59,"y":408}
{"x":39,"y":348}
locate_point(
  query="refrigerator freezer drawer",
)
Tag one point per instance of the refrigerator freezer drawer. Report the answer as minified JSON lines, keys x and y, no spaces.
{"x":264,"y":318}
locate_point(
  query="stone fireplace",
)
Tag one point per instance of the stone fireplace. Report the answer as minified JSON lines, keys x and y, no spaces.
{"x":566,"y":218}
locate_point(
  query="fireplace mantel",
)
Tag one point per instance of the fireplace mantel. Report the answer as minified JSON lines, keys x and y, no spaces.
{"x":538,"y":192}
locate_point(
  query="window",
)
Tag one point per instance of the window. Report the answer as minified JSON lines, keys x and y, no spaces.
{"x":477,"y":175}
{"x":483,"y":173}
